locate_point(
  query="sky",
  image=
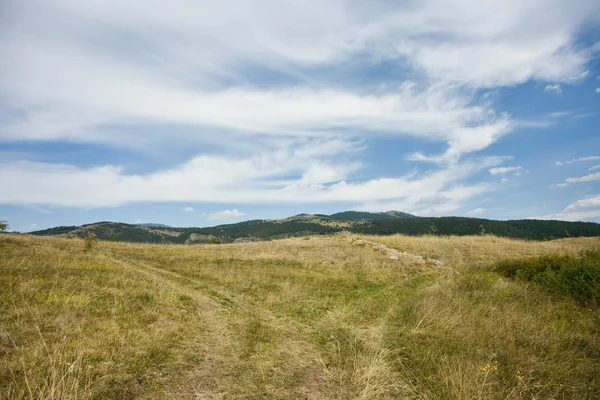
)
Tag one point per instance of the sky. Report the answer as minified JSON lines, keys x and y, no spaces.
{"x":198,"y":113}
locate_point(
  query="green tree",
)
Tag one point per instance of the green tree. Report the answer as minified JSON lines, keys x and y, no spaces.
{"x":567,"y":234}
{"x":3,"y":226}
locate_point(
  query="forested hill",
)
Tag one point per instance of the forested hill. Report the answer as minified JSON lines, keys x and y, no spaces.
{"x":307,"y":224}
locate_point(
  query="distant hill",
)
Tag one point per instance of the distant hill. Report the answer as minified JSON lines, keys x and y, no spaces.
{"x":386,"y":223}
{"x":153,"y":225}
{"x":370,"y":217}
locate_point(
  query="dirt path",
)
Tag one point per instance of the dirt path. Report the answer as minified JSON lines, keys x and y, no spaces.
{"x":216,"y":342}
{"x":394,"y":254}
{"x":226,"y":315}
{"x":251,"y":352}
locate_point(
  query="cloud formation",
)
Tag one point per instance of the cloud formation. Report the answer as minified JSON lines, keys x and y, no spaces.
{"x":188,"y":209}
{"x":585,"y":178}
{"x":293,"y":175}
{"x":476,"y":211}
{"x":504,"y":170}
{"x":584,"y":209}
{"x":278,"y":91}
{"x":199,"y":79}
{"x":226,"y":214}
{"x":553,"y":88}
{"x":578,"y":160}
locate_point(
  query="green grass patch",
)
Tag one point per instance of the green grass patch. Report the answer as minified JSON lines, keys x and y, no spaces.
{"x":577,"y":277}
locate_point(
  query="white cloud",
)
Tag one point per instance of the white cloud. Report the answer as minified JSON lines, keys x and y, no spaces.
{"x":109,"y":71}
{"x":505,"y":170}
{"x":577,"y":160}
{"x":192,"y":69}
{"x":188,"y":209}
{"x":598,"y":90}
{"x":559,"y":114}
{"x":593,"y":168}
{"x":553,"y":88}
{"x":476,"y":211}
{"x":586,"y":178}
{"x":584,"y":209}
{"x":226,"y":214}
{"x":279,"y":175}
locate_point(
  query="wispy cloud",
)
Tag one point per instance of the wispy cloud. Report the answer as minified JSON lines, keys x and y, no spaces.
{"x":504,"y":170}
{"x":585,"y":178}
{"x":584,"y":209}
{"x":559,"y":114}
{"x":188,"y":209}
{"x":279,"y":176}
{"x":476,"y":211}
{"x":553,"y":88}
{"x":593,"y":168}
{"x":200,"y":78}
{"x":283,"y":105}
{"x":226,"y":214}
{"x":577,"y":160}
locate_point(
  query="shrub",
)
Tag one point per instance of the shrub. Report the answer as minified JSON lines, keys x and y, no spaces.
{"x":3,"y":226}
{"x":90,"y":241}
{"x":574,"y":276}
{"x":215,"y":241}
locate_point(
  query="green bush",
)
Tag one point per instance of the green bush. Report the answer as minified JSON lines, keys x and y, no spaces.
{"x":90,"y":241}
{"x":574,"y":276}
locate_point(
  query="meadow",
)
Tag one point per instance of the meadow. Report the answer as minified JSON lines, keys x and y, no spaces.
{"x":304,"y":318}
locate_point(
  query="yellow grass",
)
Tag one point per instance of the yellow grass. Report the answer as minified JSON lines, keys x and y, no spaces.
{"x":290,"y":319}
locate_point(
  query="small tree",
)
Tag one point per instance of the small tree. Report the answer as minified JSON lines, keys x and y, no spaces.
{"x":567,"y":234}
{"x":90,"y":241}
{"x":3,"y":226}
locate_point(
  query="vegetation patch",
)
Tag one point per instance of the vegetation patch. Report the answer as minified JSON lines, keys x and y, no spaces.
{"x":574,"y":276}
{"x":290,"y":319}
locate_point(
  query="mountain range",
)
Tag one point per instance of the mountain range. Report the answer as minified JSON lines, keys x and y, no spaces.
{"x":384,"y":223}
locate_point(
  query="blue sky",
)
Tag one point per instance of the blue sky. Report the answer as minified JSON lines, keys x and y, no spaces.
{"x":201,"y":113}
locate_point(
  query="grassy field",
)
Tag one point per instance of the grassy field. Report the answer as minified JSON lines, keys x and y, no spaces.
{"x":318,"y":318}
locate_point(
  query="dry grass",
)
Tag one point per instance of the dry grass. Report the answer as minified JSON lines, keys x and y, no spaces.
{"x":312,"y":319}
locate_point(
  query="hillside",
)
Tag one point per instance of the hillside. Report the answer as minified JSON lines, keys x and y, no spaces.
{"x":318,"y":318}
{"x":370,"y":217}
{"x":387,"y":223}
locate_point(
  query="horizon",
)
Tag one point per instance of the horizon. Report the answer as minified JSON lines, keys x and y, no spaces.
{"x":160,"y":224}
{"x":206,"y":114}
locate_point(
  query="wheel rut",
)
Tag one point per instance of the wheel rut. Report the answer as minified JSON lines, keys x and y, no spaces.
{"x":223,"y":312}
